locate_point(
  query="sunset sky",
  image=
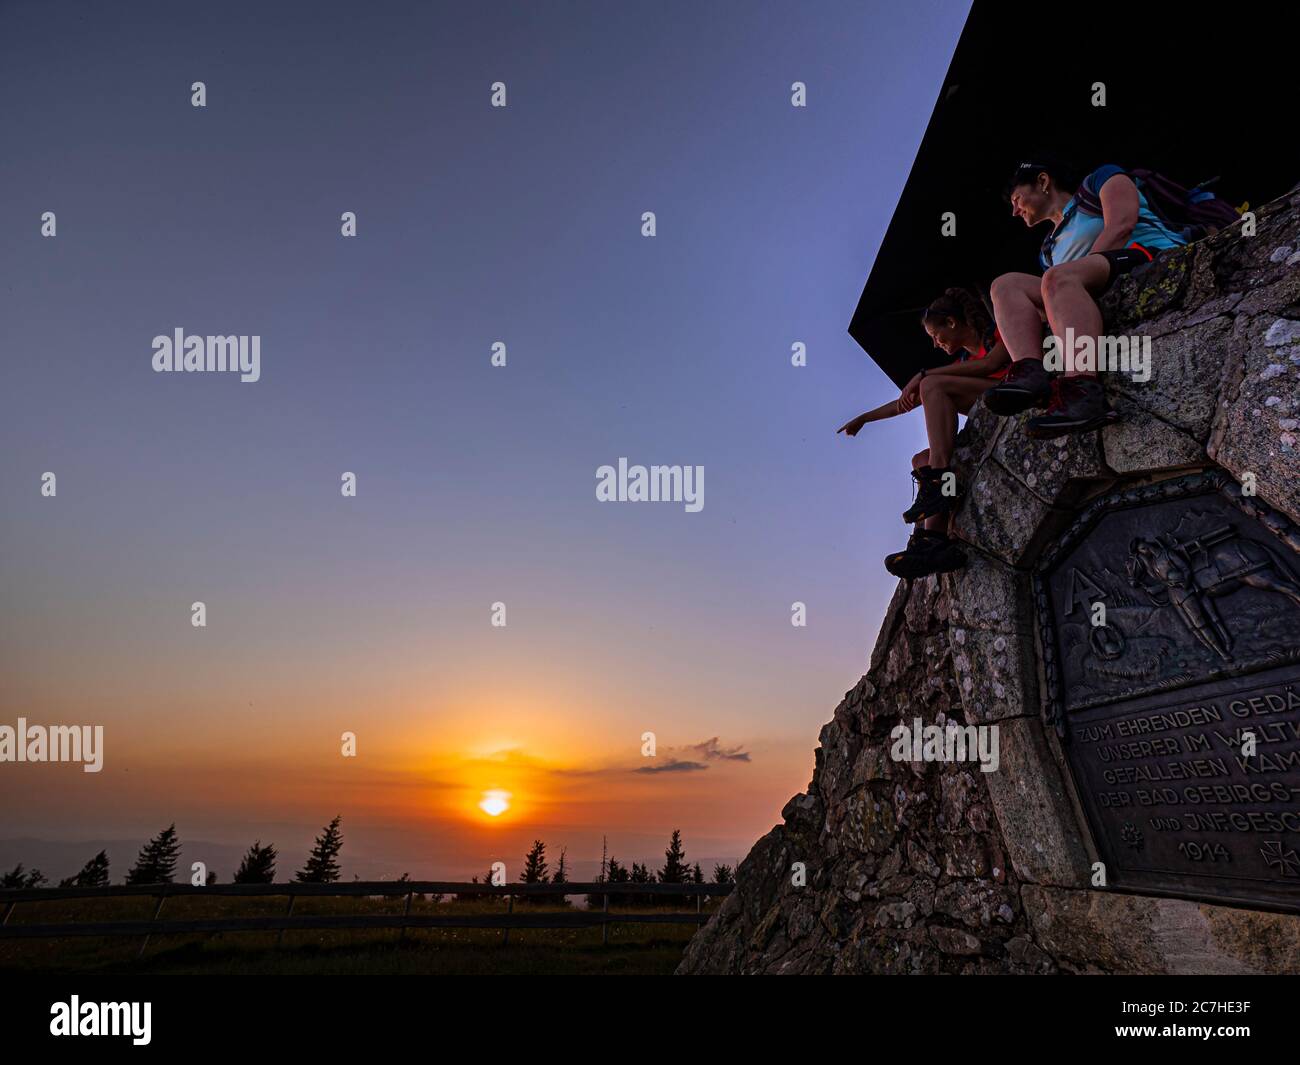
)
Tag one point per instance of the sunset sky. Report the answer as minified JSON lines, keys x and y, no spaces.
{"x":476,"y":484}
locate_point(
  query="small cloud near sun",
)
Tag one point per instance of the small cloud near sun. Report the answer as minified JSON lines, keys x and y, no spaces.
{"x":675,"y":766}
{"x":710,"y":749}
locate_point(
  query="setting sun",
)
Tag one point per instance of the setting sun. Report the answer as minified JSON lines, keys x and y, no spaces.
{"x":495,"y":803}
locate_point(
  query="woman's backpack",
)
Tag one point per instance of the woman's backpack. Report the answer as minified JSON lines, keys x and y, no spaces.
{"x":1192,"y":213}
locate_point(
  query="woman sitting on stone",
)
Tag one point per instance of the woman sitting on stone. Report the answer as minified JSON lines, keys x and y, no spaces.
{"x":959,"y":325}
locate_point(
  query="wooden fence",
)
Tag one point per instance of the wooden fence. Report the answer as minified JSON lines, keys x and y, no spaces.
{"x":389,"y":889}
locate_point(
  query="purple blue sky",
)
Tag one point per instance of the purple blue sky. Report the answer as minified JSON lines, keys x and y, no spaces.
{"x":475,"y":484}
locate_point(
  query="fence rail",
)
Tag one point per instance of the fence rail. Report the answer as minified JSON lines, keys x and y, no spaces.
{"x":387,"y":889}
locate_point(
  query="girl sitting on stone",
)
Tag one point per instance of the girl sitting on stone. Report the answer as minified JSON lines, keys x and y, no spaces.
{"x":959,"y":325}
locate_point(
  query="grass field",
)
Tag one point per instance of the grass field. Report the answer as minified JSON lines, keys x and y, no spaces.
{"x":632,"y":949}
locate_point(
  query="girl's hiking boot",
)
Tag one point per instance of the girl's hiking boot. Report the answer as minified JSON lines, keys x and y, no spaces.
{"x":1027,"y":384}
{"x":926,"y":553}
{"x":1079,"y":407}
{"x":931,"y":500}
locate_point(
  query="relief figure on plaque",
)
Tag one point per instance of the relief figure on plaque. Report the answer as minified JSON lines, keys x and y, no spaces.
{"x":1188,"y":574}
{"x":1158,"y":597}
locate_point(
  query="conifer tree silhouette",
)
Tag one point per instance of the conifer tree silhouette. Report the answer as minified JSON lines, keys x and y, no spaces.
{"x":258,"y":865}
{"x":322,"y":864}
{"x":675,"y":870}
{"x":561,"y":876}
{"x":156,"y":863}
{"x":535,"y":865}
{"x":534,"y":871}
{"x":93,"y":874}
{"x":641,"y":875}
{"x":20,"y":878}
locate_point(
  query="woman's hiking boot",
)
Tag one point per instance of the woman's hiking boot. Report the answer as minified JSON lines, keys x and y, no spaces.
{"x":1027,"y":384}
{"x":931,"y":497}
{"x":1079,"y":407}
{"x":926,"y":553}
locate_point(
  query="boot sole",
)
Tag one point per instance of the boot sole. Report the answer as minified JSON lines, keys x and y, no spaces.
{"x":951,"y":503}
{"x":1051,"y":432}
{"x":917,"y":571}
{"x":1005,"y":404}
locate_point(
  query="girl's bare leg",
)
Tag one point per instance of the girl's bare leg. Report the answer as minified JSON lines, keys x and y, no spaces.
{"x":943,"y":398}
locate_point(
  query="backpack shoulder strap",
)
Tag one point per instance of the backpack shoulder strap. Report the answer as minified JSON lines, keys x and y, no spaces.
{"x":1088,"y":196}
{"x":1045,"y":252}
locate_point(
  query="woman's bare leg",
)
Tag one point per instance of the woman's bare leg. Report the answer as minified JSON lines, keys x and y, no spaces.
{"x":1068,"y":295}
{"x":1018,"y":309}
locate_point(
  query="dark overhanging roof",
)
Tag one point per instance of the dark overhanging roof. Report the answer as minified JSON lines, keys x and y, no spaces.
{"x":1217,"y":99}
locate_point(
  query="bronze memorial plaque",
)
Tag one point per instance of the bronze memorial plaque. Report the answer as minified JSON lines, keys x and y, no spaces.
{"x":1170,"y":622}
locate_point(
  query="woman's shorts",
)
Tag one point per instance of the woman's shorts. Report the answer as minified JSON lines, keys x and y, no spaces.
{"x":1125,"y":260}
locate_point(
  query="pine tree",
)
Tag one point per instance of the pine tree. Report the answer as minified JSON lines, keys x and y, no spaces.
{"x":561,"y":876}
{"x":618,"y":874}
{"x":697,"y":874}
{"x":534,"y":871}
{"x":322,"y":865}
{"x":641,"y":875}
{"x":675,"y":870}
{"x":535,"y":864}
{"x":258,"y":865}
{"x":18,"y":878}
{"x":156,"y":862}
{"x":722,"y":874}
{"x":93,"y":874}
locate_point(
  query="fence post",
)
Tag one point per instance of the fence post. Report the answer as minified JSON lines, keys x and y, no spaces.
{"x":510,"y":908}
{"x":604,"y":925}
{"x":288,"y":912}
{"x":157,"y":910}
{"x":406,"y":913}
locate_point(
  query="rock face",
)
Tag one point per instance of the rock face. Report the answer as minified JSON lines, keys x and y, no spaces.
{"x":938,"y":867}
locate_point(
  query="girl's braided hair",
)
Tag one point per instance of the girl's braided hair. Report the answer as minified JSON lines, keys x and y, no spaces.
{"x":962,"y":305}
